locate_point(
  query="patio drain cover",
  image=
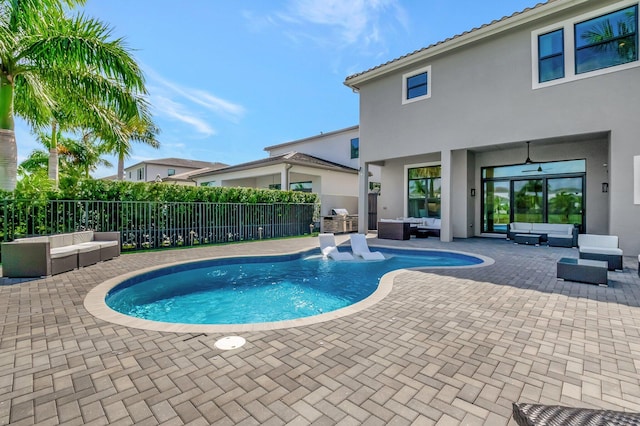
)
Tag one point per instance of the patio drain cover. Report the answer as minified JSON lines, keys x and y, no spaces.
{"x":230,"y":342}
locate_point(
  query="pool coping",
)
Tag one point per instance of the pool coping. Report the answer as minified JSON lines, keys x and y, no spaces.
{"x":94,"y":301}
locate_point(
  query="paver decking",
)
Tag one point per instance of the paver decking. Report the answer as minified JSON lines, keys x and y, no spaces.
{"x":444,"y":347}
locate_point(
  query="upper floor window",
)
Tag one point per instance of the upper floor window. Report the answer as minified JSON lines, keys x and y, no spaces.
{"x":416,"y":85}
{"x":594,"y":43}
{"x":355,"y":148}
{"x":607,"y":40}
{"x":171,"y":172}
{"x":551,"y":55}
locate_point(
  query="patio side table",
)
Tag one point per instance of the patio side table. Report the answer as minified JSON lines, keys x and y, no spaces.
{"x":527,"y":239}
{"x":583,"y":270}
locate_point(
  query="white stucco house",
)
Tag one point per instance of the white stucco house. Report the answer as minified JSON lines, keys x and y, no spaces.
{"x":531,"y":118}
{"x":174,"y":170}
{"x":326,"y":164}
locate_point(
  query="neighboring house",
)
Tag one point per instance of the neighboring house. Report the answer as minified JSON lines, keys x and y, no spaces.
{"x":175,"y":170}
{"x":451,"y":124}
{"x":339,"y":146}
{"x":326,"y":164}
{"x":336,"y":184}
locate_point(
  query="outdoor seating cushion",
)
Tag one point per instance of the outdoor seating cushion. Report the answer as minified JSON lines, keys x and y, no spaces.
{"x":594,"y":240}
{"x":520,"y":227}
{"x":599,"y":244}
{"x":432,"y":222}
{"x":60,"y":240}
{"x":602,"y":250}
{"x":552,"y":228}
{"x":60,"y":252}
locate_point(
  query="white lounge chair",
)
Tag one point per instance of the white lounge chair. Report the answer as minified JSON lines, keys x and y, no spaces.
{"x":360,"y":248}
{"x":329,"y":249}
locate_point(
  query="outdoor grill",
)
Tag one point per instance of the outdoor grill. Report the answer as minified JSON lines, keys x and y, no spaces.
{"x":340,"y":222}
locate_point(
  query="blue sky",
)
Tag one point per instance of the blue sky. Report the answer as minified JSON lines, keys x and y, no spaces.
{"x":227,"y":78}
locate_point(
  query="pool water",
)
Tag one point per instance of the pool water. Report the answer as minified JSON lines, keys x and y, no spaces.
{"x":262,"y":289}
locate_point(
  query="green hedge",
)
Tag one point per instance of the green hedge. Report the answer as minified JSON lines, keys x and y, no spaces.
{"x":105,"y":190}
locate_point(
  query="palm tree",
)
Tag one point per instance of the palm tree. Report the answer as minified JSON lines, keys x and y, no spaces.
{"x":48,"y":59}
{"x":85,"y":155}
{"x":136,"y":129}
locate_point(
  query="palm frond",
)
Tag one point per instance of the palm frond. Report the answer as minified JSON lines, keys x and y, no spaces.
{"x":84,"y":43}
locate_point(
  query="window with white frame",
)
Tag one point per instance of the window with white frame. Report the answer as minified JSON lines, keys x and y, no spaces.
{"x":141,"y":173}
{"x":416,"y":85}
{"x":591,"y":44}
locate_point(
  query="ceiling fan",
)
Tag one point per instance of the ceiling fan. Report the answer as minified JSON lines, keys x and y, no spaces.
{"x":528,"y":161}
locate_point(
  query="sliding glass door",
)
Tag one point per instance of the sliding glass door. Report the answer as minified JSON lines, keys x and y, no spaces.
{"x":565,"y":200}
{"x":550,"y":192}
{"x":528,"y":200}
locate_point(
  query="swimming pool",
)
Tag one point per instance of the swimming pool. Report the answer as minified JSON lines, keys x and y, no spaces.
{"x":250,"y":290}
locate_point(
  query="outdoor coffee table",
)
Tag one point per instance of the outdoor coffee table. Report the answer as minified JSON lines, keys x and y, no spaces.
{"x":583,"y":270}
{"x":527,"y":239}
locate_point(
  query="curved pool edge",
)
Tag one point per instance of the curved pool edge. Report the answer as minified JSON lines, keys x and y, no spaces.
{"x":96,"y":305}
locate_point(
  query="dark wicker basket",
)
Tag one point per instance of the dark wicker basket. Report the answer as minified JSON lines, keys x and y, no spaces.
{"x":553,"y":415}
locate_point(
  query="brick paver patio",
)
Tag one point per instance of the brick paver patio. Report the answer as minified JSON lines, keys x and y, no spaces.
{"x":444,"y":347}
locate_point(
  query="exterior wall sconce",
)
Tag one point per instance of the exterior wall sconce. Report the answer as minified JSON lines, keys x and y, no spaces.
{"x":473,"y":192}
{"x":605,"y":187}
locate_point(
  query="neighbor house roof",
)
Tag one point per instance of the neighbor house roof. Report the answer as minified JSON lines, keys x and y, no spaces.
{"x":294,"y":158}
{"x":186,"y":176}
{"x":181,"y":162}
{"x":321,"y":135}
{"x":475,"y":34}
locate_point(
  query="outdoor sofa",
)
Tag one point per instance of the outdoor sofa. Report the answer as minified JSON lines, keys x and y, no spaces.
{"x":54,"y":254}
{"x":601,"y":247}
{"x":555,"y":234}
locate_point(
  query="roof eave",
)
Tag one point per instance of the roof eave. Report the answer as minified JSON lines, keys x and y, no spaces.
{"x":472,"y":36}
{"x":240,"y":168}
{"x":321,"y":135}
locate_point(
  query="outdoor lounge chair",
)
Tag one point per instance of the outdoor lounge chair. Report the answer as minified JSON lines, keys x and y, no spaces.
{"x":360,"y":248}
{"x":329,"y":249}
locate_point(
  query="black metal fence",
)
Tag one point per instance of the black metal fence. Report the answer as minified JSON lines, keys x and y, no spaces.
{"x":145,"y":225}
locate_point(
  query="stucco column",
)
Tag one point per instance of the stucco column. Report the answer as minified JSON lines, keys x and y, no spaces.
{"x":363,"y":198}
{"x":446,"y":228}
{"x":284,"y":177}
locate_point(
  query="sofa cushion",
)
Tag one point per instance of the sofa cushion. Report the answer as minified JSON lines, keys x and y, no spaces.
{"x":61,"y":240}
{"x":432,"y":222}
{"x":42,"y":239}
{"x":87,"y":247}
{"x":601,"y":250}
{"x":58,"y":252}
{"x":600,"y":241}
{"x":82,"y":237}
{"x":564,"y":236}
{"x":552,"y":228}
{"x":523,"y":227}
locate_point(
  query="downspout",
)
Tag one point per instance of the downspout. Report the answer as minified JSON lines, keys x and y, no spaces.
{"x":285,"y":184}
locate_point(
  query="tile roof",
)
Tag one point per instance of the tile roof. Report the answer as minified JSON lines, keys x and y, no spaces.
{"x":292,"y":157}
{"x":181,"y":162}
{"x":447,"y":40}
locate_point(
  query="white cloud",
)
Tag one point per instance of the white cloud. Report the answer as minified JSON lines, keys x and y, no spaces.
{"x":177,"y":111}
{"x":352,"y":22}
{"x":196,"y":108}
